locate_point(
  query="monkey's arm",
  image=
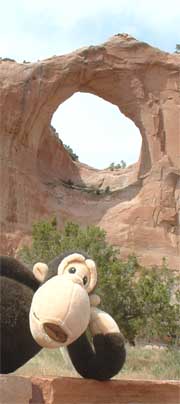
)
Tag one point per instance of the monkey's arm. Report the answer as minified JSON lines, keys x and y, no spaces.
{"x":13,"y":269}
{"x":16,"y":292}
{"x":108,"y":355}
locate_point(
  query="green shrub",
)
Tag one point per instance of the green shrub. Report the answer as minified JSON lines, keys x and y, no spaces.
{"x":107,"y":190}
{"x":139,"y":299}
{"x":114,"y":166}
{"x":177,"y":48}
{"x":71,"y":153}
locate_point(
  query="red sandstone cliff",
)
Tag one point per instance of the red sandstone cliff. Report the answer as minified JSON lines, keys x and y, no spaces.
{"x":141,"y":214}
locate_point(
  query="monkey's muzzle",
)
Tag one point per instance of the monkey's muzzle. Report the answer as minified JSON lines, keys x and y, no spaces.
{"x":60,"y":311}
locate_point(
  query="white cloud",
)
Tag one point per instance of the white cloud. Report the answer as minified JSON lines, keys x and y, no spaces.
{"x":154,"y":13}
{"x":69,"y":12}
{"x":32,"y":29}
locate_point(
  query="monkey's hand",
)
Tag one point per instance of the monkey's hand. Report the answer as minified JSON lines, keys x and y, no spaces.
{"x":104,"y":357}
{"x":102,"y":323}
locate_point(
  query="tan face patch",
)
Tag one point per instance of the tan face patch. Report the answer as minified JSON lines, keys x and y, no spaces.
{"x":81,"y":270}
{"x":60,"y":312}
{"x":76,"y":264}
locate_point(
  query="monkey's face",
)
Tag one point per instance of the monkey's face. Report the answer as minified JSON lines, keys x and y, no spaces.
{"x":60,"y":310}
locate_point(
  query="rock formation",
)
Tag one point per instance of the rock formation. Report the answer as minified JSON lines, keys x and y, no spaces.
{"x":55,"y":390}
{"x":140,"y":213}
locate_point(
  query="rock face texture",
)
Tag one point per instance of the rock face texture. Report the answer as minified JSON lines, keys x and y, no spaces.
{"x":56,"y":390}
{"x":141,"y":211}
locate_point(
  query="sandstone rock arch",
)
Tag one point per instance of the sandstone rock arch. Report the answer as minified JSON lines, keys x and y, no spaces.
{"x":144,"y":83}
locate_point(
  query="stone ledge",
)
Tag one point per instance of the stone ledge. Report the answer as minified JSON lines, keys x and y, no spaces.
{"x":66,"y":390}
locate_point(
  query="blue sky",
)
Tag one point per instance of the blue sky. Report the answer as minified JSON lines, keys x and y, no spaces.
{"x":37,"y":29}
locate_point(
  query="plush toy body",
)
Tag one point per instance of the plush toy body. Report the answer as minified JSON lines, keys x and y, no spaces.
{"x":53,"y":307}
{"x":17,"y":288}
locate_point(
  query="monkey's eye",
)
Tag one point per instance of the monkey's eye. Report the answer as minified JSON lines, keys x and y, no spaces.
{"x":72,"y":270}
{"x":85,"y":279}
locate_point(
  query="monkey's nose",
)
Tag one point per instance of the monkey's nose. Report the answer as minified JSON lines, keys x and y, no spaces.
{"x":55,"y":332}
{"x":74,"y":278}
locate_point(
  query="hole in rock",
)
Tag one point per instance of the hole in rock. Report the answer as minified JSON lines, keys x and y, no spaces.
{"x":97,"y":132}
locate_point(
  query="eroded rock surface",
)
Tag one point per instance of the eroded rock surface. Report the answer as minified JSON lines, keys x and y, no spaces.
{"x":65,"y":390}
{"x":38,"y":178}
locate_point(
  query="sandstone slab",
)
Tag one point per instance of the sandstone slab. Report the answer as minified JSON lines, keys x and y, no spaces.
{"x":22,"y":390}
{"x":15,"y":390}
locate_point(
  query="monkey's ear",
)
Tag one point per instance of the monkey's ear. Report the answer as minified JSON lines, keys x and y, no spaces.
{"x":40,"y":271}
{"x":93,"y":274}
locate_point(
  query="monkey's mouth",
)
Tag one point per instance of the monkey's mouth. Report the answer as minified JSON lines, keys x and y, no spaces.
{"x":35,"y":315}
{"x":55,"y":332}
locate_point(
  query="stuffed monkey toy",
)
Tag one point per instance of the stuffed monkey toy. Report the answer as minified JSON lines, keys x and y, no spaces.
{"x":53,"y":307}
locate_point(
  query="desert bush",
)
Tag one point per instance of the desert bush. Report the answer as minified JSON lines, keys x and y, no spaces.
{"x":71,"y":152}
{"x":139,"y":299}
{"x":114,"y":166}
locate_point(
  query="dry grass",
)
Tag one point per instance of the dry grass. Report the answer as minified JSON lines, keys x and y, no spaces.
{"x":48,"y":362}
{"x":157,"y":364}
{"x":141,"y":363}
